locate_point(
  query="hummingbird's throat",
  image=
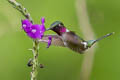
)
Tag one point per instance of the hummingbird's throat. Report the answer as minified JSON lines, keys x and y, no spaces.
{"x":63,"y":29}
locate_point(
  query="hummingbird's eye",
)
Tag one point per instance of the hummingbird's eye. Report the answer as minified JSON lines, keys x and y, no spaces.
{"x":61,"y":23}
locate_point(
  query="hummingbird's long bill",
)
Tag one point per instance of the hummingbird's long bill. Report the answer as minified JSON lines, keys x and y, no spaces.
{"x":107,"y":35}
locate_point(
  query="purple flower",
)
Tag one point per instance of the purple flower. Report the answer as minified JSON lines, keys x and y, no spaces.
{"x":34,"y":31}
{"x":49,"y":41}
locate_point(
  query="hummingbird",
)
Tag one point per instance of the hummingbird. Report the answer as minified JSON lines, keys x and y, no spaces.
{"x":69,"y":39}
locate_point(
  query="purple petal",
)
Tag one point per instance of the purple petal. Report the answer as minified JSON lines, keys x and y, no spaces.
{"x":42,"y":30}
{"x":41,"y":35}
{"x":49,"y":41}
{"x":35,"y":31}
{"x":26,"y":24}
{"x":42,"y":20}
{"x":42,"y":27}
{"x":50,"y":37}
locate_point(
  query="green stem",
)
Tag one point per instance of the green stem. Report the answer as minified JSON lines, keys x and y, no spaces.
{"x":21,"y":9}
{"x":35,"y":60}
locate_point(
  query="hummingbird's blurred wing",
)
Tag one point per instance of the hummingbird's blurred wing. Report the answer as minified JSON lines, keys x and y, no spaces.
{"x":76,"y":49}
{"x":74,"y":42}
{"x":56,"y":40}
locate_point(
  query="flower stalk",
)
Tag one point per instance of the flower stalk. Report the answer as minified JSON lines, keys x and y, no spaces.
{"x":21,"y":9}
{"x":35,"y":60}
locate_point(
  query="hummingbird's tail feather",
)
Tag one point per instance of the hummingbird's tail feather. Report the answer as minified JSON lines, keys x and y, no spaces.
{"x":91,"y":42}
{"x":107,"y":35}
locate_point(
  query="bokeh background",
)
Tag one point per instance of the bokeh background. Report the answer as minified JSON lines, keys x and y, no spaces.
{"x":60,"y":63}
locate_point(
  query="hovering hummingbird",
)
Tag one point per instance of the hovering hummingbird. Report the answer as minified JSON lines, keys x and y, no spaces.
{"x":69,"y":39}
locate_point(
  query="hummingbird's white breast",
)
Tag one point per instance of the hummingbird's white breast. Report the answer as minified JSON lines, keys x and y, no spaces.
{"x":85,"y":44}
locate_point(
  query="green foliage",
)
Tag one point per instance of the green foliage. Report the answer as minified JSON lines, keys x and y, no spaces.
{"x":60,"y":63}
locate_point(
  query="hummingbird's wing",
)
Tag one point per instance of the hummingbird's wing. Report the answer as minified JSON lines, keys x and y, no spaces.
{"x":74,"y":42}
{"x":56,"y":40}
{"x":76,"y":49}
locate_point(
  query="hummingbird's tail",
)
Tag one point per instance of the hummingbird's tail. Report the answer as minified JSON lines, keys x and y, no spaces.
{"x":91,"y":42}
{"x":107,"y":35}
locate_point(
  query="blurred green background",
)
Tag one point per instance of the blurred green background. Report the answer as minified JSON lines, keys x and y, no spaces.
{"x":60,"y":63}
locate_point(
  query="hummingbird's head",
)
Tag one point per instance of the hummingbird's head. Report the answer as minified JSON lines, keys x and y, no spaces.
{"x":57,"y":27}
